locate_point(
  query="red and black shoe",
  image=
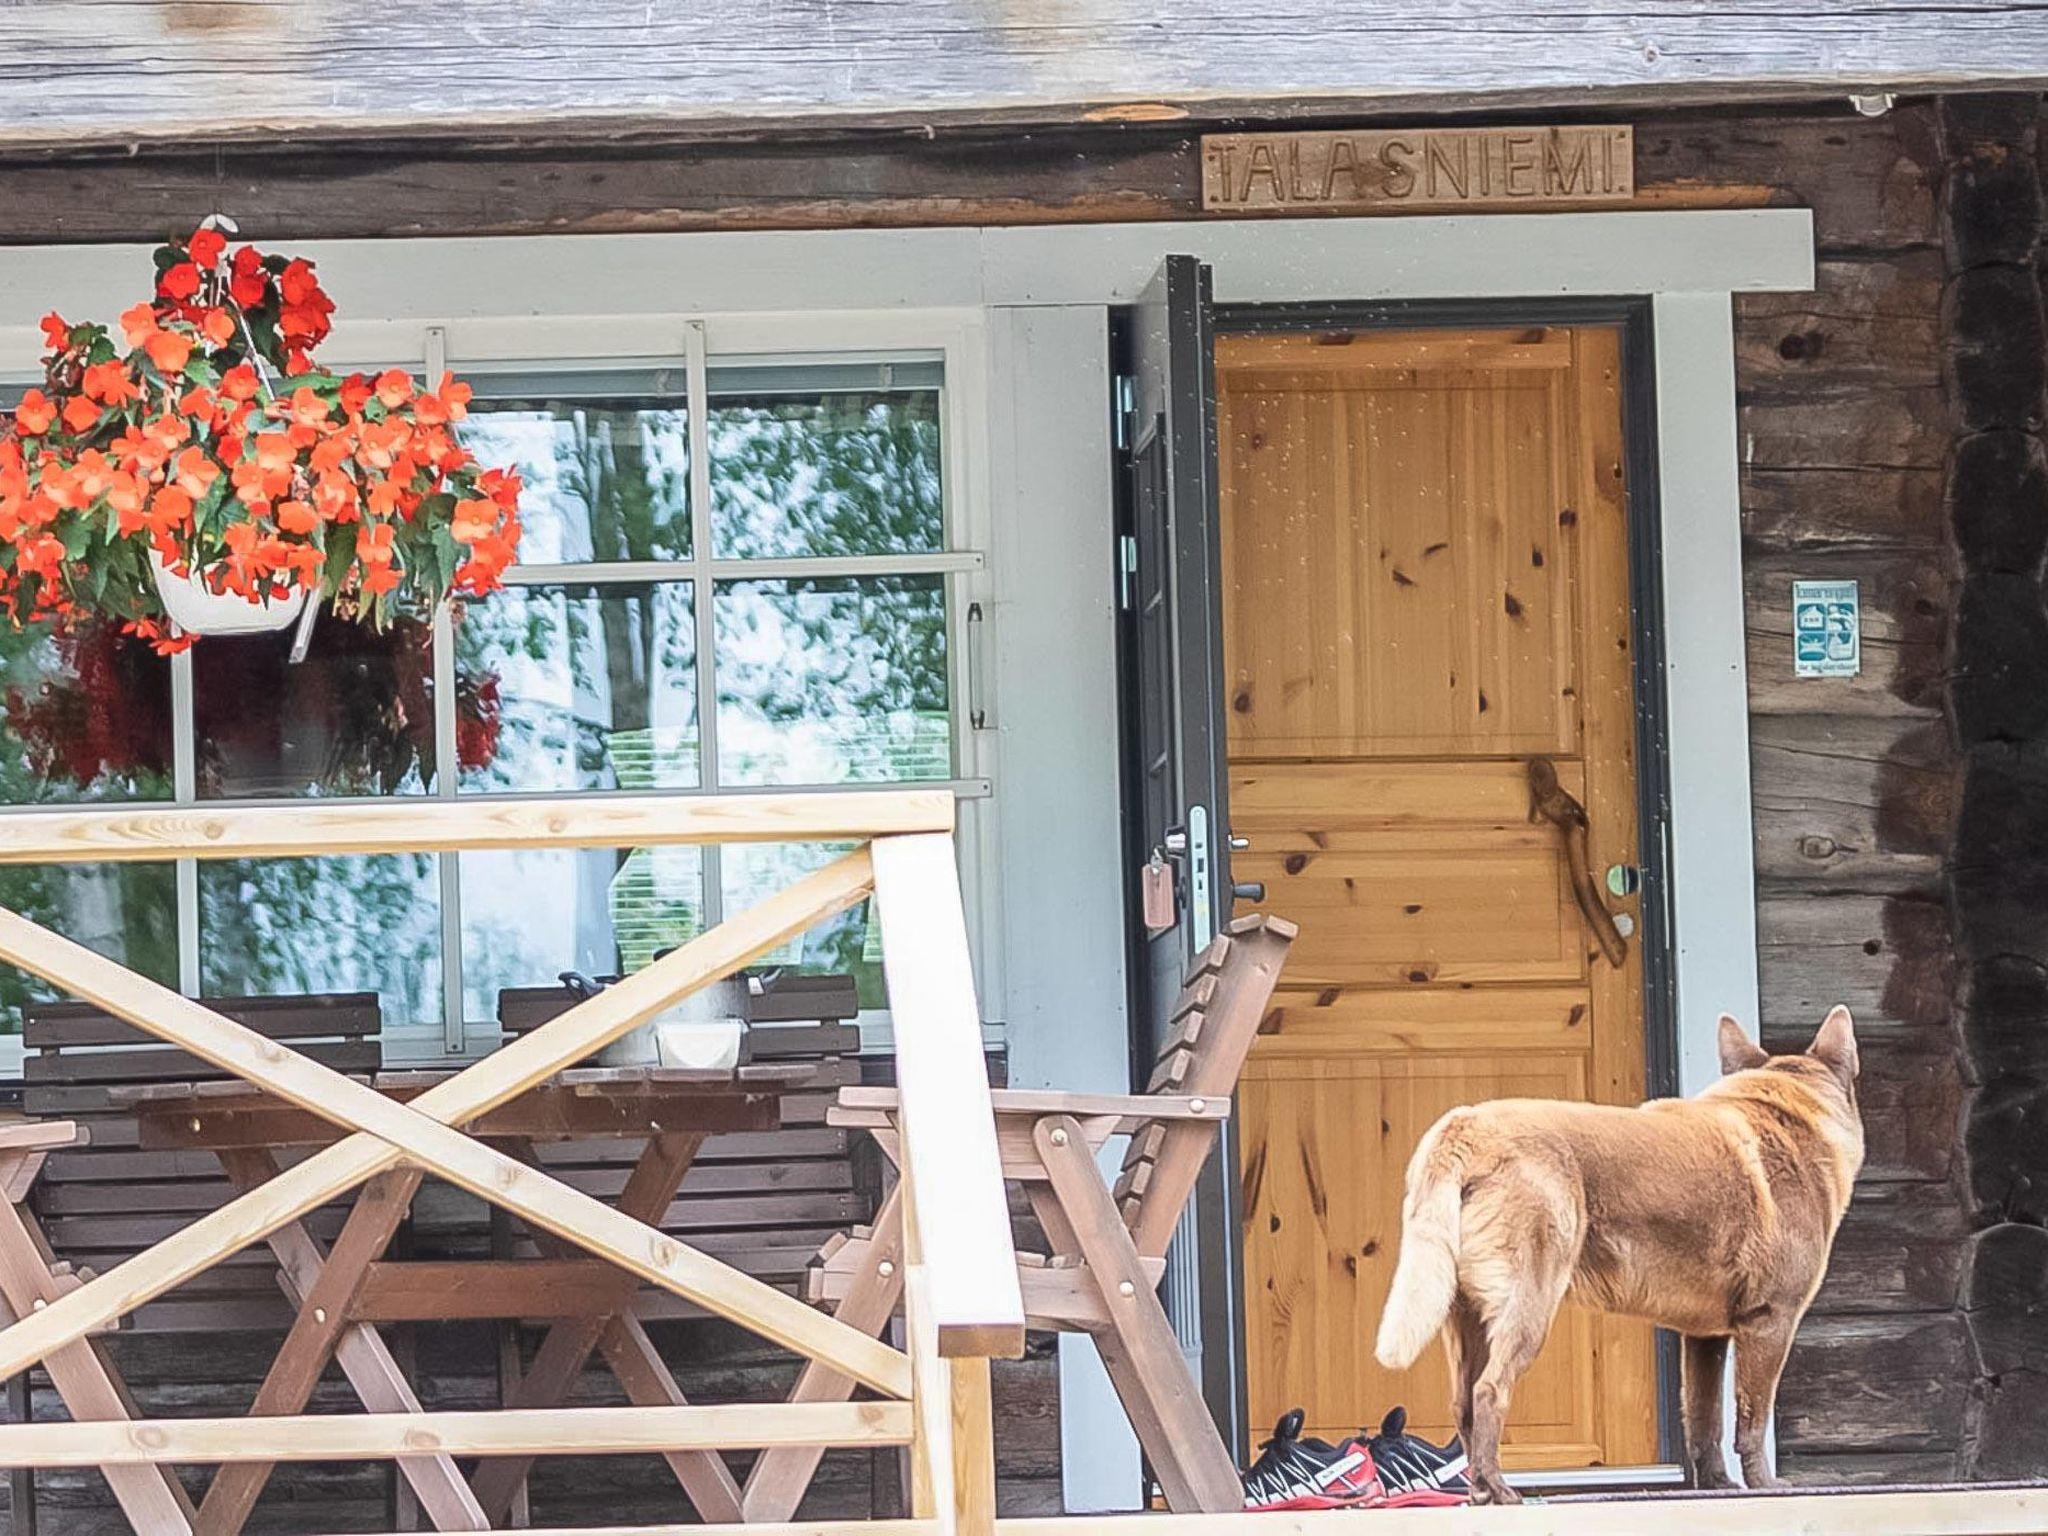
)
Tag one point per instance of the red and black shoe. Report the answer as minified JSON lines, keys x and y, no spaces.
{"x":1415,"y":1473}
{"x":1298,"y":1472}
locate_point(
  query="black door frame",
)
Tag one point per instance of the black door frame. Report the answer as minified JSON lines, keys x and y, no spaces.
{"x":1223,"y":1309}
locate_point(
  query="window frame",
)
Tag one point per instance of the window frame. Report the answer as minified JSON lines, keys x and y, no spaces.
{"x":537,"y":346}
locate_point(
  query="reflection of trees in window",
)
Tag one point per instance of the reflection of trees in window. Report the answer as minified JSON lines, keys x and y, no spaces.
{"x":824,"y":680}
{"x":82,"y":718}
{"x":325,"y":925}
{"x":832,"y":474}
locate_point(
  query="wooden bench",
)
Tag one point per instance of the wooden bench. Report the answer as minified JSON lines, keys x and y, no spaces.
{"x":104,"y":1202}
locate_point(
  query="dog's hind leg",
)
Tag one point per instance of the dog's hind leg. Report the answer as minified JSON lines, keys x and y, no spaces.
{"x":1761,"y":1345}
{"x":1518,"y":1318}
{"x":1703,"y":1369}
{"x":1466,"y":1350}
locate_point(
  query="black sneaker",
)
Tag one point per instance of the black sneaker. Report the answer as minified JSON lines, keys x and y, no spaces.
{"x":1415,"y":1473}
{"x":1297,"y":1473}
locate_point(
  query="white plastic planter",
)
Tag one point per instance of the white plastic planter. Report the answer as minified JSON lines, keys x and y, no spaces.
{"x":199,"y":611}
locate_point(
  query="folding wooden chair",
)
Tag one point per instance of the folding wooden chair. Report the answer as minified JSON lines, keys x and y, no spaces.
{"x":1108,"y":1243}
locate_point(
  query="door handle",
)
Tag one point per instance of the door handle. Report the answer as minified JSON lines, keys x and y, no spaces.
{"x":1550,"y":801}
{"x":1248,"y":890}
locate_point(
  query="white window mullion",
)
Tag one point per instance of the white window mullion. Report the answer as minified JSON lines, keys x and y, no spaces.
{"x":185,"y":791}
{"x":702,"y":604}
{"x":448,"y":866}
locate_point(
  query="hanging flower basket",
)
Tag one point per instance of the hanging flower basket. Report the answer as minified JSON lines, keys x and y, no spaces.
{"x":202,"y":475}
{"x":195,"y":608}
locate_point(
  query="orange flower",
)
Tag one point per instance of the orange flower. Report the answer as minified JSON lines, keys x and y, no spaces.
{"x":297,"y":517}
{"x":307,"y":408}
{"x":170,"y":511}
{"x":394,"y":388}
{"x":180,"y":281}
{"x":93,"y":476}
{"x":474,"y":519}
{"x":217,"y":326}
{"x":56,"y":332}
{"x":355,"y":393}
{"x":35,"y":414}
{"x":206,"y":245}
{"x":124,"y":495}
{"x":110,"y":382}
{"x":239,"y":382}
{"x":195,"y":472}
{"x":248,"y":283}
{"x":169,"y":350}
{"x":197,"y":402}
{"x":373,"y":544}
{"x":80,"y":413}
{"x":138,"y":324}
{"x":335,"y":496}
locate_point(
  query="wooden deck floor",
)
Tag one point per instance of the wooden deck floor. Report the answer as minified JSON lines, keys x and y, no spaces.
{"x":1977,"y":1510}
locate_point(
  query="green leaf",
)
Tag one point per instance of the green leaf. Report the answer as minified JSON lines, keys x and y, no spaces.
{"x":76,"y":537}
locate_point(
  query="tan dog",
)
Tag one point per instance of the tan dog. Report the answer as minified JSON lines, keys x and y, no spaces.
{"x":1712,"y":1216}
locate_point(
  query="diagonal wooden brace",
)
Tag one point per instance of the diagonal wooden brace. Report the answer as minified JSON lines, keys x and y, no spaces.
{"x":424,"y":1133}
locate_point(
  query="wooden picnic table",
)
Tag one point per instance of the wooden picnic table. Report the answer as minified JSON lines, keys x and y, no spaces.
{"x":341,"y":1295}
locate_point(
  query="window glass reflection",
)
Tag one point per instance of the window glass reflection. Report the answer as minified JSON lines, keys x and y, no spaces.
{"x":836,"y":473}
{"x":580,"y":687}
{"x":832,"y":681}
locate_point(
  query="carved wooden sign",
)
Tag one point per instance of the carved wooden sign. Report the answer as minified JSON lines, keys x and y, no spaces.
{"x":1388,"y":169}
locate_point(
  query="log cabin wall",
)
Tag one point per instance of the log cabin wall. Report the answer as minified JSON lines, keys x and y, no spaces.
{"x":1892,"y":432}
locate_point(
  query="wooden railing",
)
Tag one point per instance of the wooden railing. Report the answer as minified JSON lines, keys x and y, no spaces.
{"x":963,"y":1304}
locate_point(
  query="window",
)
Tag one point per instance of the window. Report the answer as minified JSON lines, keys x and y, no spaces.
{"x":735,"y":577}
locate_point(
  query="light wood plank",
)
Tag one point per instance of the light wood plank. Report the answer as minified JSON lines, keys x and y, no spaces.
{"x":496,"y":1432}
{"x":1138,"y":1348}
{"x":1840,"y":1512}
{"x":868,"y":1299}
{"x":323,"y":1316}
{"x":365,"y":1359}
{"x":154,"y":1502}
{"x":706,"y":1479}
{"x":948,"y":1124}
{"x":422,"y":1131}
{"x":416,"y":825}
{"x":1040,"y":1101}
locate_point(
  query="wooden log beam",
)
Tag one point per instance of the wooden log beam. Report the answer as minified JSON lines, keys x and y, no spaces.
{"x":492,"y":1432}
{"x":422,"y":1132}
{"x":401,"y":825}
{"x":122,"y":73}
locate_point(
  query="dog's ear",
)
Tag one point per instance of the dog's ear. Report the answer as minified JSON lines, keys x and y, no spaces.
{"x":1835,"y":1045}
{"x":1738,"y":1052}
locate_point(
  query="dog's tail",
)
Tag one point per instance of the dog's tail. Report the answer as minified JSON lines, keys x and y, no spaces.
{"x":1426,"y":1275}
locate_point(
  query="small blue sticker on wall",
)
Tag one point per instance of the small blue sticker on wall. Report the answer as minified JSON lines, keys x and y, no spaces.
{"x":1827,"y":629}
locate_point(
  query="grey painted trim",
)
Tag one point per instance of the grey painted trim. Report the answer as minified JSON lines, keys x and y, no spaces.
{"x":1058,"y":817}
{"x":1713,"y":862}
{"x":503,"y":298}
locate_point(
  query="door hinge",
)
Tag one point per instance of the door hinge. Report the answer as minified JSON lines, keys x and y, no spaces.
{"x":1126,"y":570}
{"x":1126,"y":412}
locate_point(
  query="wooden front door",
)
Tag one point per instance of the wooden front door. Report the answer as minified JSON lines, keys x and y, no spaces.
{"x":1425,"y":554}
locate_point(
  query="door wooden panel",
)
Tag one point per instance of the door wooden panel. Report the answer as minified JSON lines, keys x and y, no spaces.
{"x":1425,"y":584}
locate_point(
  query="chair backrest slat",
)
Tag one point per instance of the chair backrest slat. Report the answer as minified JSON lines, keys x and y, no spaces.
{"x":1213,"y":1025}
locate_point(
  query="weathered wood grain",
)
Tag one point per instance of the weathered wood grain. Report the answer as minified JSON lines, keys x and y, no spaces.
{"x":1877,"y":1383}
{"x":1887,"y":958}
{"x":115,"y":72}
{"x":1850,"y":804}
{"x":1825,"y":511}
{"x":1902,"y":1248}
{"x":1868,"y":321}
